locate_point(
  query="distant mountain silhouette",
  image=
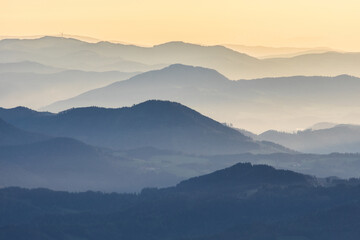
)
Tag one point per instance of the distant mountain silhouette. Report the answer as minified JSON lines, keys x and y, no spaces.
{"x":44,"y":161}
{"x":244,"y":175}
{"x":322,"y":125}
{"x":241,"y":202}
{"x":67,"y":164}
{"x":275,"y":52}
{"x":75,"y":54}
{"x":104,"y":56}
{"x":343,"y":165}
{"x":315,"y":64}
{"x":19,"y":87}
{"x":339,"y":138}
{"x":176,"y":82}
{"x":160,"y":124}
{"x":20,"y":114}
{"x":10,"y":135}
{"x":260,"y":104}
{"x":27,"y":66}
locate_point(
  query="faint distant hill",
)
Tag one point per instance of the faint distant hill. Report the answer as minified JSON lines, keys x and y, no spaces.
{"x":343,"y":138}
{"x":37,"y":88}
{"x":315,"y":64}
{"x":244,"y":175}
{"x":10,"y":135}
{"x":322,"y":125}
{"x":71,"y":53}
{"x":247,"y":133}
{"x":343,"y":165}
{"x":67,"y":164}
{"x":275,"y":52}
{"x":60,"y":35}
{"x":75,"y":54}
{"x":27,"y":66}
{"x":256,"y":105}
{"x":247,"y":202}
{"x":160,"y":124}
{"x":19,"y":114}
{"x":68,"y":53}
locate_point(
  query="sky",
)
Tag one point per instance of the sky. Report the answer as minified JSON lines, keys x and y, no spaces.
{"x":295,"y":23}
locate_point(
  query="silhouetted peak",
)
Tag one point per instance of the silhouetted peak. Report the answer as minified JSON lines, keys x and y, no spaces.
{"x":322,"y":125}
{"x":346,"y":76}
{"x":270,"y":132}
{"x":19,"y":110}
{"x":151,"y":103}
{"x":217,"y":49}
{"x":175,"y":44}
{"x":184,"y":72}
{"x":59,"y":39}
{"x":86,"y":111}
{"x":13,"y":114}
{"x":243,"y":174}
{"x":167,"y":107}
{"x":150,"y":107}
{"x":183,"y":67}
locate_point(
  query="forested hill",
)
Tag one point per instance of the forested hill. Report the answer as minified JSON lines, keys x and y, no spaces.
{"x":286,"y":205}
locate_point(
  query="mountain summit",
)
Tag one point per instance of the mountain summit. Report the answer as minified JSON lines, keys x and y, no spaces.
{"x":178,"y":82}
{"x":243,"y":175}
{"x":154,"y":123}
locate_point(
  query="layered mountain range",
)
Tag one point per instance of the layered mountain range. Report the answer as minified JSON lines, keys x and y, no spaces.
{"x":155,"y":143}
{"x":55,"y":74}
{"x":159,"y":124}
{"x":323,"y":138}
{"x":110,"y":149}
{"x":35,"y":88}
{"x":243,"y":201}
{"x":105,"y":56}
{"x":257,"y":105}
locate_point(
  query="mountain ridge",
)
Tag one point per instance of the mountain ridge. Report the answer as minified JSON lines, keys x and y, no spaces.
{"x":38,"y":89}
{"x":201,"y":208}
{"x":246,"y":104}
{"x":246,"y":174}
{"x":154,"y":123}
{"x":338,"y":138}
{"x":10,"y":135}
{"x":235,"y":65}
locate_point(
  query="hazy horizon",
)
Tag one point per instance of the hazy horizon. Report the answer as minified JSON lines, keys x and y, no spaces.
{"x":281,"y":23}
{"x":168,"y":120}
{"x":91,"y":39}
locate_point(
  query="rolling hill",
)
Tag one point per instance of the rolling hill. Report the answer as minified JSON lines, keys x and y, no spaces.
{"x":27,"y":66}
{"x":105,"y":56}
{"x":68,"y":164}
{"x":275,"y":52}
{"x":343,"y":138}
{"x":40,"y":89}
{"x":258,"y":105}
{"x":240,"y":202}
{"x":244,"y":175}
{"x":159,"y":124}
{"x":10,"y":135}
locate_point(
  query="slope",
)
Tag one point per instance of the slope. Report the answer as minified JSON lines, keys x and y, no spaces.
{"x":340,"y":138}
{"x":40,"y":89}
{"x":258,"y":105}
{"x":159,"y":124}
{"x":10,"y":135}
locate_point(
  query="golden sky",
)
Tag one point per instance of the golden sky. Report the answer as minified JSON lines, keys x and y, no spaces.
{"x":299,"y":23}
